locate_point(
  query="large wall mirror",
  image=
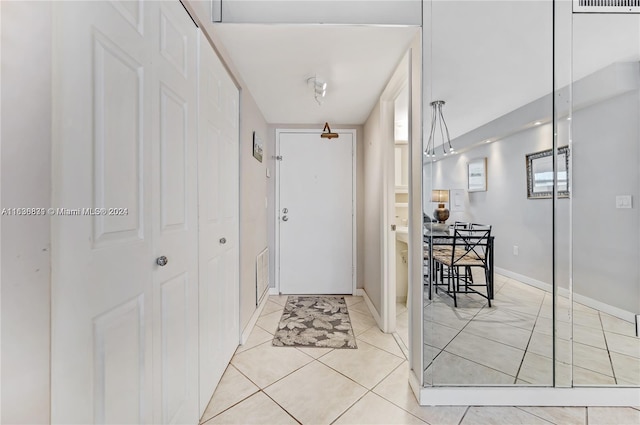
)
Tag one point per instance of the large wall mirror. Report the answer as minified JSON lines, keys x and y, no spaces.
{"x":498,"y":261}
{"x":488,"y":266}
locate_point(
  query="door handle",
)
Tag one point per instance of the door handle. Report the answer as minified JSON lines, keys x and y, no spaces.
{"x":162,"y":261}
{"x":285,"y":218}
{"x":223,"y":241}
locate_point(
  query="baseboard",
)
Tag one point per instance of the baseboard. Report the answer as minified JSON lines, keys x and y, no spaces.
{"x":254,"y":318}
{"x":359,"y":292}
{"x":371,"y":308}
{"x":581,"y":299}
{"x":273,"y":291}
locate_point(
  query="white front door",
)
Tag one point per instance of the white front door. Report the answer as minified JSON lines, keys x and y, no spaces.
{"x":218,"y":150}
{"x":124,"y":329}
{"x":315,"y":211}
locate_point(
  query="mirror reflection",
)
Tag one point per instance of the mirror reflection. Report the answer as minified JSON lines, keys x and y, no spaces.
{"x":489,"y":210}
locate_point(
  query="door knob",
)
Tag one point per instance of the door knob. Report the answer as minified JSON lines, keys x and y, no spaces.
{"x":162,"y":261}
{"x":223,"y":241}
{"x":285,"y":218}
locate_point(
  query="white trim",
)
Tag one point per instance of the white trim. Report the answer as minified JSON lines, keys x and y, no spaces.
{"x":372,"y":308}
{"x":354,"y":239}
{"x":252,"y":321}
{"x":359,"y":292}
{"x":564,"y":292}
{"x":273,"y":291}
{"x":519,"y":396}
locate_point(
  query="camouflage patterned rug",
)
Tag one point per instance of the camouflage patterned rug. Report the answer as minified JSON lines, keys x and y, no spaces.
{"x":315,"y":321}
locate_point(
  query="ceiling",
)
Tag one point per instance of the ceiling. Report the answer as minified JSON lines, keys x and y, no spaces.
{"x":486,"y":58}
{"x":275,"y":62}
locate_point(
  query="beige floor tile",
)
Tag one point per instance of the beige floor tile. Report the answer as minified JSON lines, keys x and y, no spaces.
{"x":508,"y":317}
{"x":315,"y":394}
{"x":447,"y":316}
{"x":315,"y":352}
{"x":269,"y":322}
{"x":233,"y":388}
{"x":489,"y":415}
{"x":536,"y":369}
{"x":265,"y":364}
{"x":373,"y":409}
{"x":396,"y":389}
{"x":279,"y":299}
{"x":541,"y":344}
{"x":560,"y":415}
{"x":614,"y":324}
{"x":587,"y":319}
{"x":360,"y":322}
{"x":627,"y":368}
{"x":351,"y":300}
{"x":449,"y":369}
{"x":586,"y":377}
{"x":400,"y":308}
{"x":509,"y":335}
{"x":257,"y":409}
{"x":545,"y":326}
{"x":402,"y":328}
{"x":271,"y":307}
{"x":592,"y":358}
{"x":627,"y":345}
{"x":492,"y":354}
{"x":613,"y":416}
{"x":368,"y":365}
{"x":438,"y":335}
{"x":387,"y":342}
{"x":258,"y":336}
{"x":589,"y":336}
{"x":360,"y":308}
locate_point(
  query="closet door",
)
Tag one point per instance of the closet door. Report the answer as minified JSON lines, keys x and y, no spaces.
{"x":218,"y":151}
{"x":124,"y":329}
{"x":174,"y":215}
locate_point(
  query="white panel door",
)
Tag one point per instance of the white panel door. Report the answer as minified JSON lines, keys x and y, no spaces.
{"x":124,"y":330}
{"x":218,"y":150}
{"x":316,"y":214}
{"x":101,"y":265}
{"x":175,"y":215}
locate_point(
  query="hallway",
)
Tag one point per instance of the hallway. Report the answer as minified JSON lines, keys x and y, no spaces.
{"x":285,"y":385}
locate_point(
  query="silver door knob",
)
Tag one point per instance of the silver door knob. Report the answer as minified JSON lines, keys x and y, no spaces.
{"x":223,"y":241}
{"x":162,"y":261}
{"x":285,"y":218}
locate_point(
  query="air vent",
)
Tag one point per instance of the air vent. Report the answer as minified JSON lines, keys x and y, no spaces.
{"x":606,"y":6}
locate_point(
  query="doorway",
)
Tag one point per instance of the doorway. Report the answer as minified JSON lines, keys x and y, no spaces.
{"x":315,"y":205}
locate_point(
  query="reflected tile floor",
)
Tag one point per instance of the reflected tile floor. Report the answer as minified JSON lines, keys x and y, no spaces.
{"x":511,"y":341}
{"x":326,"y":386}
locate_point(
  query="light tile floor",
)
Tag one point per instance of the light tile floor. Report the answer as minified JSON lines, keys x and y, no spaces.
{"x":511,"y":341}
{"x":286,"y":385}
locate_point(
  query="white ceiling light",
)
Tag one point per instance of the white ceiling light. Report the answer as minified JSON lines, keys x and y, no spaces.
{"x":319,"y":88}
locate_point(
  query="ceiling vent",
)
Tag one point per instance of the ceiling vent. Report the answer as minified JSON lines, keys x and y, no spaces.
{"x":606,"y":6}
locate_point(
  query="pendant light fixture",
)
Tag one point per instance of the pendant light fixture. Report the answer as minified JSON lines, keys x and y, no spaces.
{"x":438,"y":126}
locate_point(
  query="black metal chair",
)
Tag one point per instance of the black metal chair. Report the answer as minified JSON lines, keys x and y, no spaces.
{"x":469,"y":248}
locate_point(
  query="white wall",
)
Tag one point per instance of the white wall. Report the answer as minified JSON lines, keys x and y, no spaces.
{"x":26,"y":182}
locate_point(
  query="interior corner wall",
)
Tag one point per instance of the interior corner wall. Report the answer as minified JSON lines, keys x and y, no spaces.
{"x":360,"y":267}
{"x":373,"y":208}
{"x":26,"y":182}
{"x":255,"y":201}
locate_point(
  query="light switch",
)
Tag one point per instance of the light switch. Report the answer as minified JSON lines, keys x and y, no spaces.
{"x":623,"y":201}
{"x":268,"y":173}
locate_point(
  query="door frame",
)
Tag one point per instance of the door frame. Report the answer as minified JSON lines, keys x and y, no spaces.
{"x":354,"y":257}
{"x":400,"y":79}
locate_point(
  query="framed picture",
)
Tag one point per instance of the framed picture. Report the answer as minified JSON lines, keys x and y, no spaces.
{"x":540,"y":173}
{"x":257,"y":147}
{"x":477,"y":175}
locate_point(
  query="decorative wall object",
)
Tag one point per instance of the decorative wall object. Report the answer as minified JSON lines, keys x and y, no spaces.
{"x":456,"y":200}
{"x":257,"y":147}
{"x":477,"y":175}
{"x":540,"y":173}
